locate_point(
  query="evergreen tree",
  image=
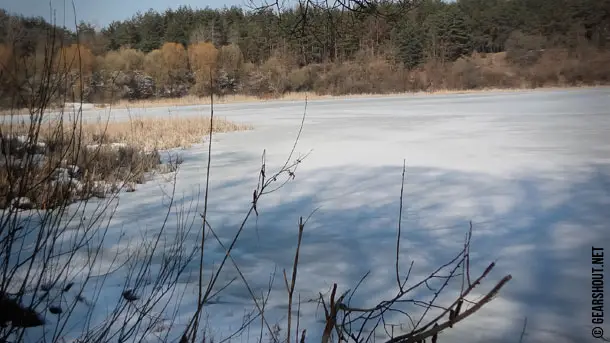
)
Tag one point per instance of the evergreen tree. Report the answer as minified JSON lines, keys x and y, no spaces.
{"x":151,"y":29}
{"x":447,"y":34}
{"x":408,"y":39}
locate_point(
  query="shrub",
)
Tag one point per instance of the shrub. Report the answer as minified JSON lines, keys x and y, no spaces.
{"x":276,"y":72}
{"x":587,"y":68}
{"x":303,"y":79}
{"x":6,"y":54}
{"x":175,"y":58}
{"x":345,"y":78}
{"x":229,"y":69}
{"x":153,"y":66}
{"x":6,"y":88}
{"x":230,"y":58}
{"x":465,"y":74}
{"x":203,"y":59}
{"x":75,"y":58}
{"x":523,"y":49}
{"x":269,"y":80}
{"x":74,"y":67}
{"x":168,"y":67}
{"x":383,"y":76}
{"x":124,"y":60}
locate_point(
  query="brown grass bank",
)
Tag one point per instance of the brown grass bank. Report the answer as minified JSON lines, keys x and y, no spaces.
{"x":65,"y":164}
{"x":301,"y":96}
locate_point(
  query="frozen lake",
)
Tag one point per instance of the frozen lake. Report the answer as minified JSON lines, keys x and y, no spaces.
{"x":531,"y":170}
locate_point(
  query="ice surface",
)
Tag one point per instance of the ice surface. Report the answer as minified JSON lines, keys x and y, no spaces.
{"x":531,"y":170}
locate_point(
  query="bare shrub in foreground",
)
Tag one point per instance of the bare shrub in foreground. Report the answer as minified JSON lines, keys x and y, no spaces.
{"x":344,"y":321}
{"x":56,"y":262}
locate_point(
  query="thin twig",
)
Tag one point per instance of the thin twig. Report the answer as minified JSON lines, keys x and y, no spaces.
{"x":523,"y":331}
{"x":205,"y":212}
{"x":402,"y":187}
{"x":290,"y":288}
{"x":410,"y":338}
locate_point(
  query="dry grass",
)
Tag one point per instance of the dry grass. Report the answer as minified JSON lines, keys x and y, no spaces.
{"x":300,"y":96}
{"x":103,"y":165}
{"x":192,"y":100}
{"x":143,"y":133}
{"x":291,"y":96}
{"x":160,"y":133}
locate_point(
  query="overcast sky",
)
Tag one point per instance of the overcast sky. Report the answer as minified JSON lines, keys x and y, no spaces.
{"x":102,"y":12}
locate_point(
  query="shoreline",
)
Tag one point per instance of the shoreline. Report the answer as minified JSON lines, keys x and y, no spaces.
{"x":301,"y":96}
{"x":295,"y":96}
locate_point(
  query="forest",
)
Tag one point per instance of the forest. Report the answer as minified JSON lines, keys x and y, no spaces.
{"x":430,"y":45}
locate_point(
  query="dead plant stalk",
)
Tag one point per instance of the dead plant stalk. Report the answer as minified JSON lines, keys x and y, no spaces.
{"x":290,"y":286}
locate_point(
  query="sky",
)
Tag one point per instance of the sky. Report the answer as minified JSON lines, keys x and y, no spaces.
{"x":100,"y":13}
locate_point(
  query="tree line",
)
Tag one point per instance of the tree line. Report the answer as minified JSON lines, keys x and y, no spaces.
{"x":327,"y":50}
{"x":434,"y":29}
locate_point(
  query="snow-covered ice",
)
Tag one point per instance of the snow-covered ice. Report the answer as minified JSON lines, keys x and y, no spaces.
{"x":531,"y":170}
